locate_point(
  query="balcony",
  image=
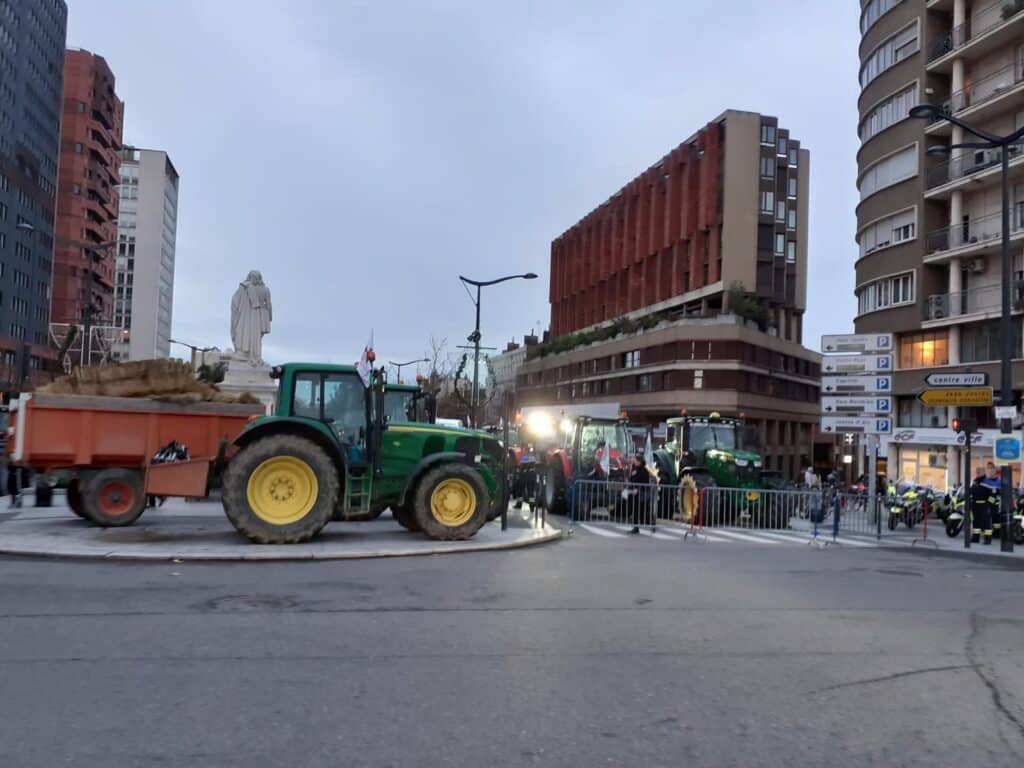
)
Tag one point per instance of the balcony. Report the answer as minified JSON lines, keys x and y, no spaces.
{"x":973,"y":304}
{"x":979,"y":235}
{"x":987,"y":29}
{"x":969,"y":164}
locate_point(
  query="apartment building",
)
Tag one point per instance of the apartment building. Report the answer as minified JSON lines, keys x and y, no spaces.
{"x":929,"y":226}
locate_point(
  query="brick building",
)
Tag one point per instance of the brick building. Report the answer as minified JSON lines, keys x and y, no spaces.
{"x":87,"y":199}
{"x":686,"y":290}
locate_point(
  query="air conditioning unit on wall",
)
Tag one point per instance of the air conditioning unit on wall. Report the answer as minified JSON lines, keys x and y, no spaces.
{"x":976,"y":265}
{"x":938,"y":307}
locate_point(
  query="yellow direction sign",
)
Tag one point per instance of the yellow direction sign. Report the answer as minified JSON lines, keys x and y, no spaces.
{"x":957,"y":397}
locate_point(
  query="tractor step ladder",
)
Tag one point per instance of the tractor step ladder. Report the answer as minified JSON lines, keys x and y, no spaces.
{"x":359,"y":490}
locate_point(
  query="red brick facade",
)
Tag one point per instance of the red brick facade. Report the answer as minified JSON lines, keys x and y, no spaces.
{"x":657,"y":237}
{"x":87,"y":201}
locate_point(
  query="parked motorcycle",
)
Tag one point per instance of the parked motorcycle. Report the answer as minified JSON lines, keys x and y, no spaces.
{"x":907,"y":503}
{"x":951,"y":510}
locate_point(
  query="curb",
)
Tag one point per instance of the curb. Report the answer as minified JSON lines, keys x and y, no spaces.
{"x":274,"y":557}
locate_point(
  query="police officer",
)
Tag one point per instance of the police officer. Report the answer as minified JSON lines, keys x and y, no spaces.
{"x":984,"y":498}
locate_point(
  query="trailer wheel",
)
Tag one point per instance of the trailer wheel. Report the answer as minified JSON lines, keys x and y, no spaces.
{"x":114,"y":497}
{"x":405,"y":517}
{"x":451,"y":502}
{"x":75,"y":499}
{"x":280,"y":490}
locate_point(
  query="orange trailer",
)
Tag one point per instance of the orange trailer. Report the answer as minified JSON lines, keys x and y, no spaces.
{"x":108,"y":445}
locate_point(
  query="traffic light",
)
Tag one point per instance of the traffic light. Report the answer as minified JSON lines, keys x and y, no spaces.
{"x":965,"y":425}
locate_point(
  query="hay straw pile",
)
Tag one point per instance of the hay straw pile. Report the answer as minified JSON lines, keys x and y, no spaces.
{"x":165,"y":380}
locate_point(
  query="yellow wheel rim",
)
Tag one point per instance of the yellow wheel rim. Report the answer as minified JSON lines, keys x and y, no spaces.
{"x":453,"y":502}
{"x":281,"y":490}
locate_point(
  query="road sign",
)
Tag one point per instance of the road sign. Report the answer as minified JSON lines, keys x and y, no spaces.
{"x":856,"y":406}
{"x":1006,"y":412}
{"x":857,"y":364}
{"x":1006,"y":449}
{"x":841,"y":385}
{"x":857,"y":342}
{"x":956,"y":379}
{"x":953,"y":397}
{"x":862,"y":424}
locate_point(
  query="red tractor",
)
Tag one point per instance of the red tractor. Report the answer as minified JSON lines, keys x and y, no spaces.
{"x":581,"y":457}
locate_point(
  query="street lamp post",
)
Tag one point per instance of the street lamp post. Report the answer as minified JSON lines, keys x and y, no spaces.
{"x":475,"y":336}
{"x":194,"y":348}
{"x":988,"y":140}
{"x":400,"y":366}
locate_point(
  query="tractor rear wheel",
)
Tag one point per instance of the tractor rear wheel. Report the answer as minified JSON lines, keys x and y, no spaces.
{"x":113,"y":497}
{"x":554,"y":491}
{"x":451,"y":502}
{"x":280,"y":490}
{"x":75,"y":498}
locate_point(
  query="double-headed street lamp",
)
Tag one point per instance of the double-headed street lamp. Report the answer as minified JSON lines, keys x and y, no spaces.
{"x":475,"y":336}
{"x":400,"y":366}
{"x":992,"y":141}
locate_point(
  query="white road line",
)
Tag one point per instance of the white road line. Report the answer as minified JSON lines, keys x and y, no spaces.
{"x":789,"y":538}
{"x":646,"y":532}
{"x":673,"y":530}
{"x":601,"y":531}
{"x":744,"y":537}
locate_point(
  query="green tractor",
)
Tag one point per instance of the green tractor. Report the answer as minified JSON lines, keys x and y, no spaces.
{"x":712,"y":452}
{"x":330,"y":452}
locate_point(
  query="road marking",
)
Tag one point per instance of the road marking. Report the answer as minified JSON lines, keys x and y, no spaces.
{"x":793,"y":538}
{"x":744,"y":537}
{"x":646,"y":532}
{"x":601,"y":531}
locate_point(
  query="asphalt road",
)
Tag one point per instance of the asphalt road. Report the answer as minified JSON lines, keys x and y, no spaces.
{"x":587,"y":652}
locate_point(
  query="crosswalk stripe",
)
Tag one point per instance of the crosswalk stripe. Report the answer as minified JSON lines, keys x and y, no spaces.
{"x":601,"y":531}
{"x":744,"y":537}
{"x":646,"y":532}
{"x":791,"y":538}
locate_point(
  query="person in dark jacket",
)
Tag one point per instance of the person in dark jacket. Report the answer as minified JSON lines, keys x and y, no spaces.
{"x":639,"y":476}
{"x":984,"y":500}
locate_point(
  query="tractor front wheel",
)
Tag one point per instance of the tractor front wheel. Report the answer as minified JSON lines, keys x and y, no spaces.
{"x":554,"y":491}
{"x":280,"y":490}
{"x":451,"y":502}
{"x":113,"y":497}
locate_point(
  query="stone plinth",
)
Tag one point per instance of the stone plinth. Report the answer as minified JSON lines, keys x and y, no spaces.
{"x":243,"y":375}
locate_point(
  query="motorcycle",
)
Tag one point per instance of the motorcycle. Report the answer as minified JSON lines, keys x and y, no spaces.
{"x":906,"y":504}
{"x":952,"y":511}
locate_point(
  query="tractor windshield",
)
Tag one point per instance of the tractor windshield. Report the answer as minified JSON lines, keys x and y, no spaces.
{"x":706,"y":437}
{"x":597,"y":438}
{"x":400,"y":405}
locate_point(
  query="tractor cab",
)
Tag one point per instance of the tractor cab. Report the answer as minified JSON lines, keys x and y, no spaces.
{"x":723,"y":447}
{"x":593,"y":449}
{"x":408,"y":403}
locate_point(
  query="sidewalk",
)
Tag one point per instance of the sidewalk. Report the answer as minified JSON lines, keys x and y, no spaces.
{"x":200,"y":531}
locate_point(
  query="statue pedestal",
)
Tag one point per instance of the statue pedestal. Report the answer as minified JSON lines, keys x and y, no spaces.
{"x":243,"y":375}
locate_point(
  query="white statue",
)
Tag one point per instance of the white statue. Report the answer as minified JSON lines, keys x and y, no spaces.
{"x":250,"y":317}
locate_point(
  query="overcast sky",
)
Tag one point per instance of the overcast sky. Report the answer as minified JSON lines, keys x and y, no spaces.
{"x":363,"y":154}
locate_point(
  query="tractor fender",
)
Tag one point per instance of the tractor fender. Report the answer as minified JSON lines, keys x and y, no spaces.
{"x":429,"y":462}
{"x":298,"y":428}
{"x":562,"y":461}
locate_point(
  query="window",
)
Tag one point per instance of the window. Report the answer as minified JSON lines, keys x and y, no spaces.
{"x":794,"y":154}
{"x":767,"y":167}
{"x":792,"y":218}
{"x":893,"y":169}
{"x":78,"y":148}
{"x":791,"y":252}
{"x":913,"y":414}
{"x":894,"y":50}
{"x":645,"y":383}
{"x":780,"y":243}
{"x":783,"y":148}
{"x":767,"y":202}
{"x":768,"y":135}
{"x":888,"y":113}
{"x":892,"y":230}
{"x":980,"y":342}
{"x":631,"y":359}
{"x":3,"y":212}
{"x":873,"y":11}
{"x":924,"y":350}
{"x":792,"y":186}
{"x":780,"y":211}
{"x":886,"y":292}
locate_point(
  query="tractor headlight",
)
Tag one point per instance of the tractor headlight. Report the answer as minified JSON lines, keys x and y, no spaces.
{"x":757,"y":463}
{"x":741,"y":462}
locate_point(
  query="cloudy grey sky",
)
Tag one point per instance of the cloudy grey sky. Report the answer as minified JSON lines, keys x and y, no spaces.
{"x":363,"y":153}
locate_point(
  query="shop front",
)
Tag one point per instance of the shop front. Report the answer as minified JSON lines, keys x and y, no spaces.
{"x":935,"y":456}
